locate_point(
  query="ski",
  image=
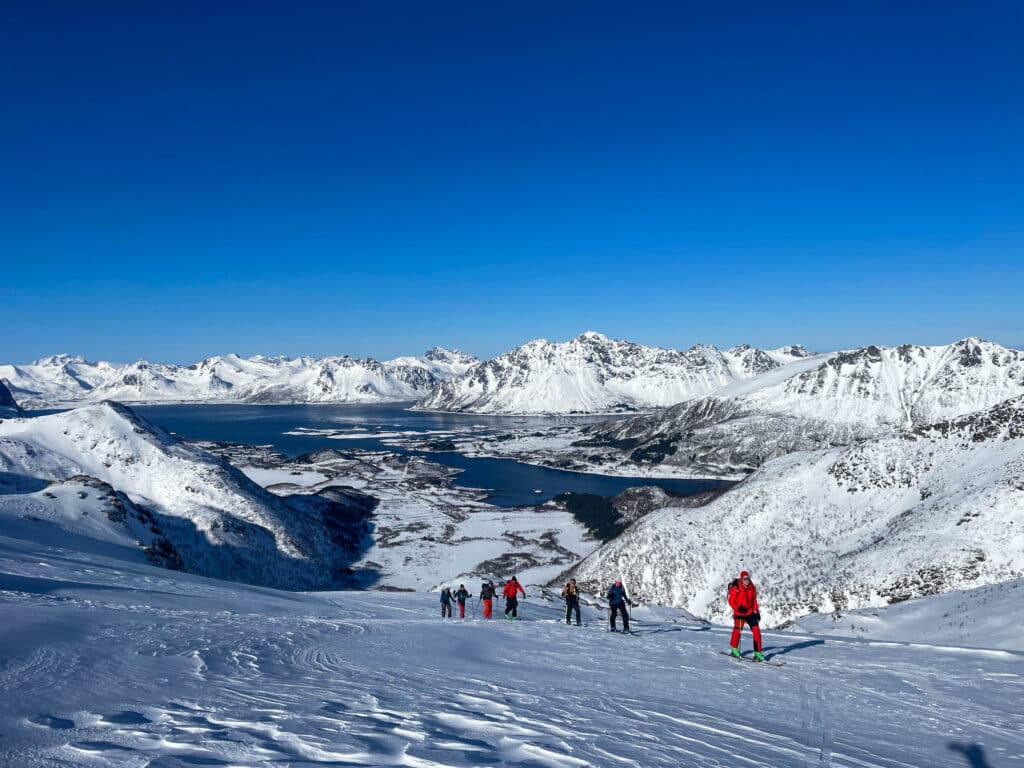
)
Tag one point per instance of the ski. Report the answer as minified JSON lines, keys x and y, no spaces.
{"x":754,"y":661}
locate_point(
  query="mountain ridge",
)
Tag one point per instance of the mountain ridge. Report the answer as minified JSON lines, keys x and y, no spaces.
{"x":69,"y":379}
{"x":592,"y":373}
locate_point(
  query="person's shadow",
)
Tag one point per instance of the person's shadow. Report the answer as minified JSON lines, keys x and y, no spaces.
{"x":772,"y":651}
{"x":974,"y":754}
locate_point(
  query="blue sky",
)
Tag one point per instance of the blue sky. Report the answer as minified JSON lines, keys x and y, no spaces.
{"x":374,"y":179}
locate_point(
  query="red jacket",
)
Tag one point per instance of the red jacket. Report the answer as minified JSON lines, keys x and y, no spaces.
{"x":743,"y":600}
{"x":511,"y":587}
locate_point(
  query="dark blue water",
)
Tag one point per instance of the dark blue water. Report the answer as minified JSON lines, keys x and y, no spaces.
{"x":509,"y":482}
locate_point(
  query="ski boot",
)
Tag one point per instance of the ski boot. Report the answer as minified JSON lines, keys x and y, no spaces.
{"x":735,"y":652}
{"x":758,"y":656}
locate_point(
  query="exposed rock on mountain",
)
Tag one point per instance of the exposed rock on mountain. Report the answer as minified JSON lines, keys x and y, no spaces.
{"x":8,"y":405}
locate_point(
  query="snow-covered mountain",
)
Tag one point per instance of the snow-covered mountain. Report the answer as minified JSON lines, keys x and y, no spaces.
{"x":8,"y":405}
{"x":210,"y":517}
{"x":928,"y":510}
{"x":64,"y":379}
{"x":595,"y":374}
{"x":819,"y":401}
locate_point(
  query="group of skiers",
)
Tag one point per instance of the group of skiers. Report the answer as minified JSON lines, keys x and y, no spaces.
{"x":742,"y":597}
{"x":511,"y":591}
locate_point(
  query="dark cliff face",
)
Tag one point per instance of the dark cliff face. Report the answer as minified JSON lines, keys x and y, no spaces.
{"x":7,"y":401}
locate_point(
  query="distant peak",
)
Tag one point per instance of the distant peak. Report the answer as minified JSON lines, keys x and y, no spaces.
{"x":61,"y":359}
{"x":795,"y":350}
{"x":592,"y":336}
{"x":443,"y":353}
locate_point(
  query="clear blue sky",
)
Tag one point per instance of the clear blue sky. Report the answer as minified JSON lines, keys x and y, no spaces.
{"x":185,"y":179}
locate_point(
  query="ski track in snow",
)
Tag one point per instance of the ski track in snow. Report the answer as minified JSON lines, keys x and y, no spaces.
{"x":129,"y":665}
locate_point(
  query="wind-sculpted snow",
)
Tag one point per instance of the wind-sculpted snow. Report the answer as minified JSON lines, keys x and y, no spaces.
{"x":595,"y":374}
{"x":984,"y":617}
{"x":216,"y":520}
{"x":817,"y":402}
{"x":230,"y":378}
{"x":107,"y":663}
{"x":929,"y":510}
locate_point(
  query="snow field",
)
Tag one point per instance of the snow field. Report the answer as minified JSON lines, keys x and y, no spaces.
{"x":122,"y":664}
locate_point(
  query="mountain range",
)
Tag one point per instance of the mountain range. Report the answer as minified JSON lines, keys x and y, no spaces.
{"x":63,"y":379}
{"x":594,"y":374}
{"x":816,"y":402}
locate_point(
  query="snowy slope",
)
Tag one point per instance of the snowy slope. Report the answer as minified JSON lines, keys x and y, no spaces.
{"x":218,"y":521}
{"x":595,"y":374}
{"x":984,"y":617}
{"x":929,"y":510}
{"x":816,"y":402}
{"x":230,"y":378}
{"x":107,"y":663}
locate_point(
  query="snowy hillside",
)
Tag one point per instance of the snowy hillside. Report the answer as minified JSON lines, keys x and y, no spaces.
{"x":984,"y":617}
{"x":64,"y":379}
{"x":196,"y":509}
{"x":8,"y":405}
{"x":102,"y":476}
{"x":595,"y":374}
{"x":929,"y":510}
{"x":113,"y":663}
{"x":816,"y":402}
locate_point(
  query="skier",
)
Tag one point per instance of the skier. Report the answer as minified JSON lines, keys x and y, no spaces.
{"x":512,"y":588}
{"x":460,"y":598}
{"x":487,"y":595}
{"x":743,"y":601}
{"x":446,"y":603}
{"x":617,"y":600}
{"x":572,"y":602}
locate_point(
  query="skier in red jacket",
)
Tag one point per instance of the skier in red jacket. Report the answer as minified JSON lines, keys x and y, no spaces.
{"x":743,"y":601}
{"x":512,"y":589}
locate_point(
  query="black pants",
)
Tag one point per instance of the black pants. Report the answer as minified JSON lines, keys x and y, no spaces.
{"x":625,"y":616}
{"x":570,"y":606}
{"x":446,"y":610}
{"x":512,"y":606}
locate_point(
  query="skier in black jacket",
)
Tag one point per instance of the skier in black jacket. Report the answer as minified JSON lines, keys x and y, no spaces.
{"x":487,"y":595}
{"x":617,"y":600}
{"x":446,"y":603}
